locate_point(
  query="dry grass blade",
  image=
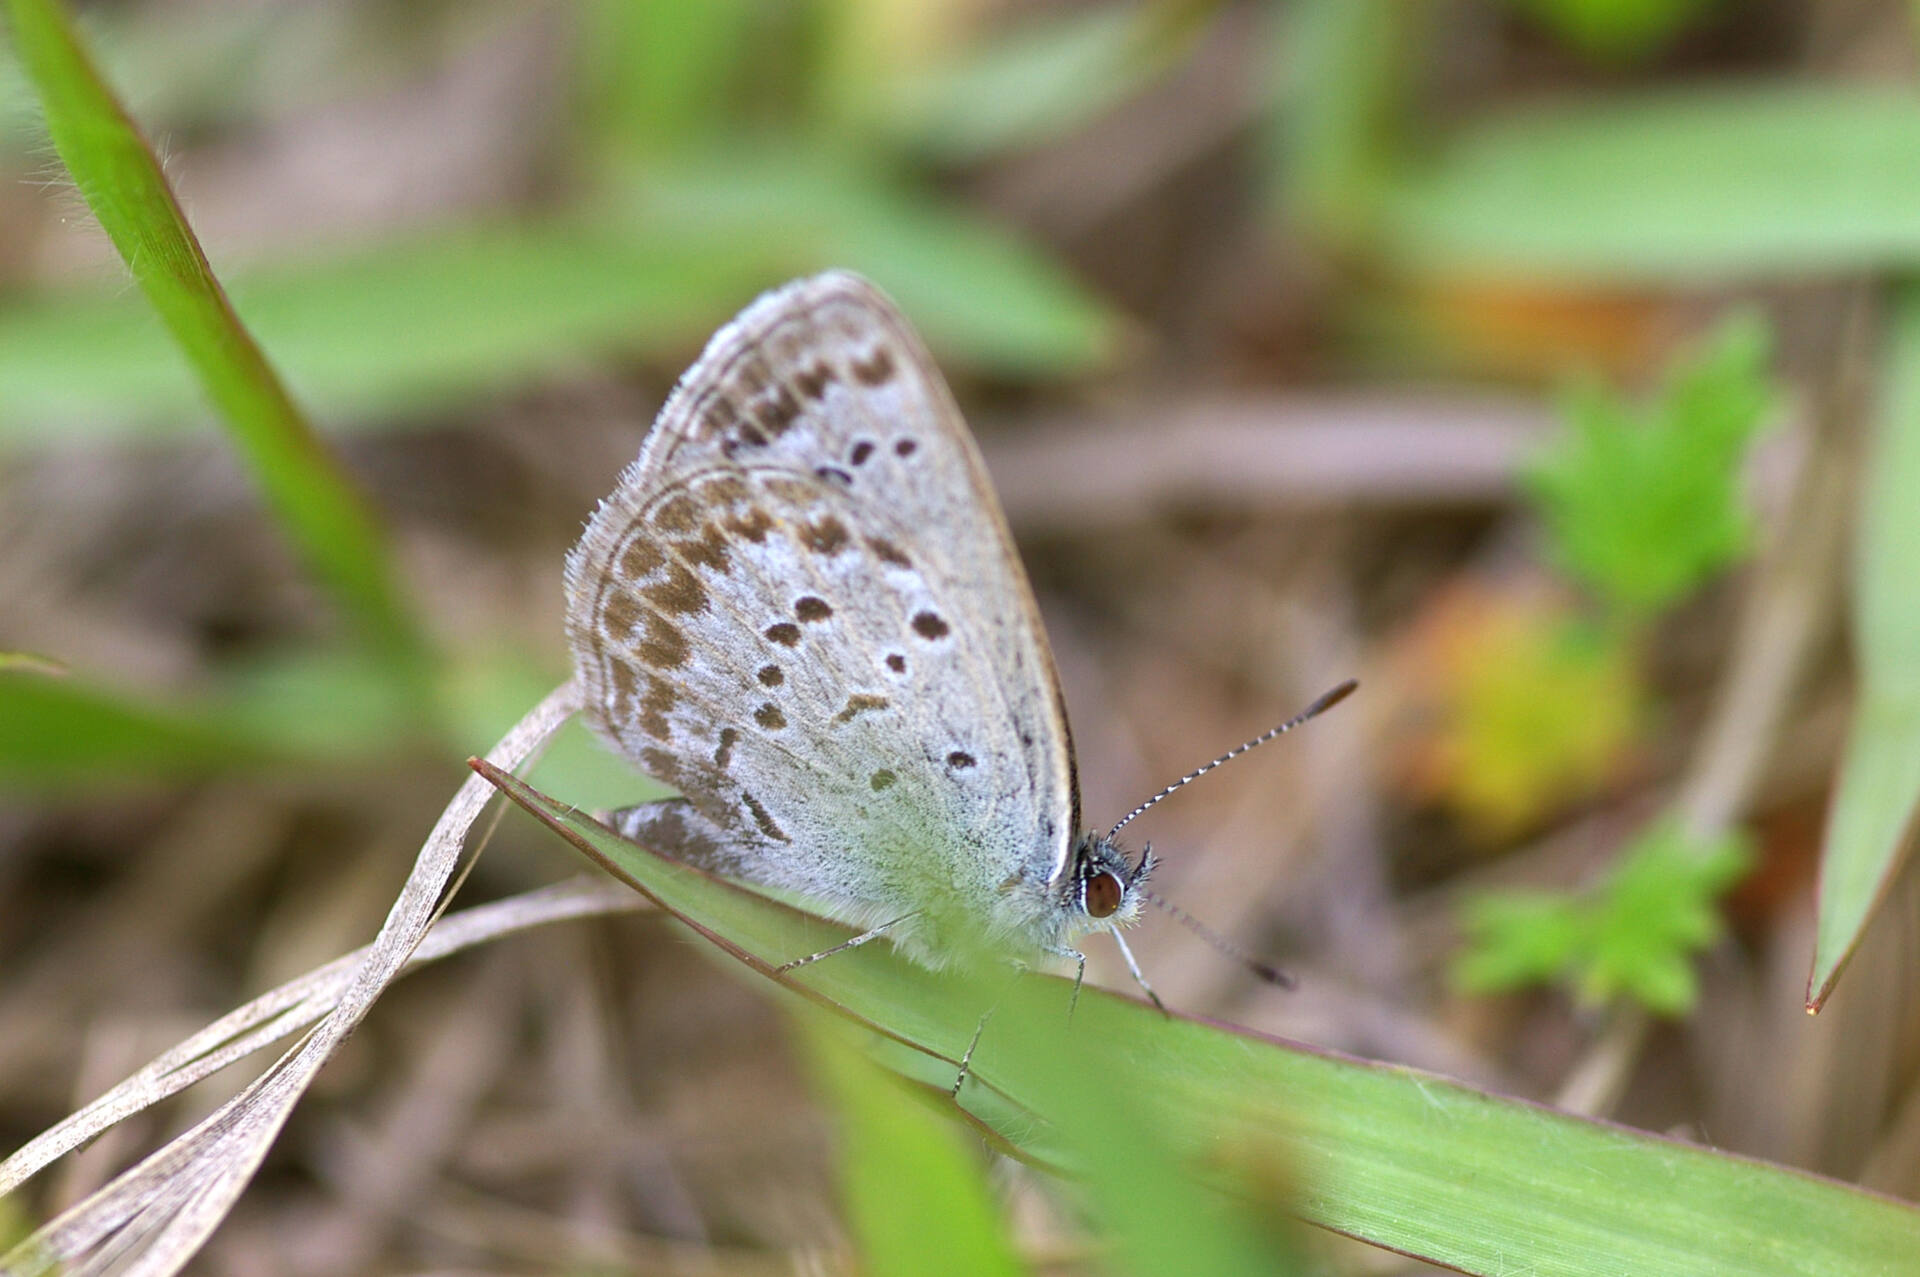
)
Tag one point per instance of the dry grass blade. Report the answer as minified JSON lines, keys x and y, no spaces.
{"x":298,"y":1003}
{"x":154,"y":1217}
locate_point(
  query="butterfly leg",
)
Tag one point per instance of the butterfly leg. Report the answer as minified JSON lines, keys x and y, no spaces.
{"x":1139,"y":979}
{"x":1079,"y":961}
{"x":842,"y":947}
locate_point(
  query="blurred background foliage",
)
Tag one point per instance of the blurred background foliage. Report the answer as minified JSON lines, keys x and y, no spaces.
{"x":1552,"y":366}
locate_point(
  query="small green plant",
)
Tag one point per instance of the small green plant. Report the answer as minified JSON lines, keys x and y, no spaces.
{"x":1642,"y":507}
{"x":1631,"y":935}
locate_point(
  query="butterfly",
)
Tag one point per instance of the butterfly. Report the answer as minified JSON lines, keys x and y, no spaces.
{"x":802,"y":609}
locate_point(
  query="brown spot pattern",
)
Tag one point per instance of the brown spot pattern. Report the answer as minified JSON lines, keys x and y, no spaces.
{"x":813,"y":380}
{"x":888,"y":552}
{"x":881,"y":779}
{"x":641,"y":558}
{"x":812,"y":608}
{"x":785,"y":633}
{"x":619,"y":614}
{"x":752,"y":524}
{"x":876,"y":369}
{"x":776,"y":410}
{"x":859,"y":703}
{"x":928,"y":625}
{"x":665,"y":647}
{"x":763,"y":818}
{"x":825,"y":535}
{"x":724,"y":754}
{"x":771,"y":676}
{"x":905,"y":448}
{"x":861,"y":451}
{"x":680,"y":594}
{"x":770,"y":717}
{"x":959,"y":758}
{"x":678,"y":514}
{"x":896,"y":662}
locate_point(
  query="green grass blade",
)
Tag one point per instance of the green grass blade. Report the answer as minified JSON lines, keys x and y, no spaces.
{"x":1870,"y":826}
{"x":123,"y":184}
{"x":914,"y":1195}
{"x":1696,"y":186}
{"x":57,"y":732}
{"x":1402,"y":1159}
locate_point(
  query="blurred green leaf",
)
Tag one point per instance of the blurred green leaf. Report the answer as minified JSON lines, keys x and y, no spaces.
{"x":979,"y":293}
{"x":915,"y":1194}
{"x":1040,"y":80}
{"x":661,"y":74}
{"x":1688,"y":187}
{"x":1615,"y":30}
{"x":1402,"y":1159}
{"x":416,"y":325}
{"x":1344,"y":68}
{"x":1633,"y":935}
{"x":1871,"y":825}
{"x":58,"y":733}
{"x":1642,"y":512}
{"x":311,"y":495}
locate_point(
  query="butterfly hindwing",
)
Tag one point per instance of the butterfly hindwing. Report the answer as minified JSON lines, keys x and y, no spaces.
{"x":802,"y":609}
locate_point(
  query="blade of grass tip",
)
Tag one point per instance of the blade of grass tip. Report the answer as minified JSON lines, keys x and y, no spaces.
{"x":123,"y":184}
{"x":154,"y":1218}
{"x":1871,"y":824}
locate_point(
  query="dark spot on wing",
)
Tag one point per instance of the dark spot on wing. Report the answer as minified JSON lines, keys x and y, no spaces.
{"x":663,"y":767}
{"x":771,"y":676}
{"x":681,"y":593}
{"x":813,"y":380}
{"x":679,"y":513}
{"x":725,"y":489}
{"x":861,"y":451}
{"x":876,"y":369}
{"x":888,"y":552}
{"x":882,"y":779}
{"x":724,"y":754}
{"x":750,"y":435}
{"x":834,"y":474}
{"x":776,"y":410}
{"x":619,"y":613}
{"x":750,"y":525}
{"x":785,"y":633}
{"x":959,"y":759}
{"x":859,"y":703}
{"x":708,"y":550}
{"x":904,"y":448}
{"x":665,"y":647}
{"x":896,"y":662}
{"x":928,"y":625}
{"x":770,"y":717}
{"x":811,"y":608}
{"x":640,"y":558}
{"x":825,"y":535}
{"x":655,"y":706}
{"x":762,"y":818}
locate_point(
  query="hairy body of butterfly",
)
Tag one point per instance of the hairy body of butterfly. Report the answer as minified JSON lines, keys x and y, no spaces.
{"x":803,"y":610}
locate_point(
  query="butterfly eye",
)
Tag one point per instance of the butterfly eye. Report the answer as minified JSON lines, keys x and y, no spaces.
{"x":1102,"y":895}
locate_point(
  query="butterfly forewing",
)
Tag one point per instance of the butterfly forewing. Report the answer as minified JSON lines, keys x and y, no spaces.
{"x":803,"y":610}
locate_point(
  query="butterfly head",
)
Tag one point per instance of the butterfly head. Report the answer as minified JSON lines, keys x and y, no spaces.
{"x":1102,"y":889}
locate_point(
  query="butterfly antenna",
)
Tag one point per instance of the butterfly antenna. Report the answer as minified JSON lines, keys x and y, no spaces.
{"x":1265,"y":970}
{"x":1319,"y":707}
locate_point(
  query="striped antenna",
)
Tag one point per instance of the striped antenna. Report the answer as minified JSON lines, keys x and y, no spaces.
{"x":1319,"y":707}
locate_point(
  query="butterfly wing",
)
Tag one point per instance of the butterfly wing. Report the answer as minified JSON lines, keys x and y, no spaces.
{"x":802,"y":608}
